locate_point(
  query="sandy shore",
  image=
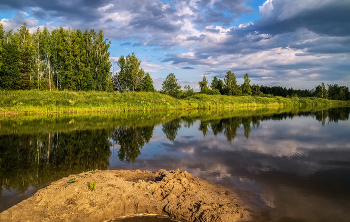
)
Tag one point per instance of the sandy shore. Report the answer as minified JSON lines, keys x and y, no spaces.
{"x":176,"y":194}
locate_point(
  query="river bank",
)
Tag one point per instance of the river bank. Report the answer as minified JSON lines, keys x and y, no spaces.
{"x":117,"y":194}
{"x":68,"y":102}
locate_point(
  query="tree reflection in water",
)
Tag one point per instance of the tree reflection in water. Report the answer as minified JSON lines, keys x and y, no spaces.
{"x":131,"y":140}
{"x":38,"y":159}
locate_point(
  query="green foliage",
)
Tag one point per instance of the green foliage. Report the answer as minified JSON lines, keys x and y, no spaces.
{"x":215,"y":92}
{"x":337,"y":92}
{"x":36,"y":102}
{"x":25,"y":57}
{"x":37,"y":150}
{"x":170,"y":129}
{"x":187,"y":92}
{"x":38,"y":159}
{"x":131,"y":140}
{"x":130,"y":75}
{"x":255,"y":90}
{"x":203,"y":85}
{"x":334,"y":92}
{"x":171,"y":87}
{"x":231,"y":88}
{"x":92,"y":185}
{"x":61,"y":59}
{"x":9,"y":72}
{"x":217,"y":84}
{"x":2,"y":35}
{"x":147,"y":84}
{"x":246,"y":88}
{"x":72,"y":180}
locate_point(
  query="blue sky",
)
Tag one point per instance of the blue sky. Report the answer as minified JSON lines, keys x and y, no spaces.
{"x":297,"y":44}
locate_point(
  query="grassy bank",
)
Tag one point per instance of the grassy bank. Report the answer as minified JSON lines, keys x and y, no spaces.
{"x":35,"y":124}
{"x":65,"y":102}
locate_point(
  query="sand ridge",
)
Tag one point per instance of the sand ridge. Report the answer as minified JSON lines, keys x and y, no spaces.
{"x":125,"y":193}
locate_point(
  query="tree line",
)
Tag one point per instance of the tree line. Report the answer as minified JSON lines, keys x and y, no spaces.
{"x":61,"y":59}
{"x":230,"y":87}
{"x":68,"y":59}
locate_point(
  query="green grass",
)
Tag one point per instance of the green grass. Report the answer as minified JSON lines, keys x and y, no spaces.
{"x":73,"y":180}
{"x":92,"y":185}
{"x":67,"y":102}
{"x":34,"y":124}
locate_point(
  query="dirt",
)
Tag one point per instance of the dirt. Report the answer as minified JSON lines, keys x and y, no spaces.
{"x":117,"y":194}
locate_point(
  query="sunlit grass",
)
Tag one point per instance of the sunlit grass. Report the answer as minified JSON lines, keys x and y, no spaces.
{"x":44,"y":102}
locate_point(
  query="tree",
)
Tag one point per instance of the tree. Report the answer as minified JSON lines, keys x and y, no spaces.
{"x":170,"y":86}
{"x":147,"y":84}
{"x":255,"y":90}
{"x":121,"y":83}
{"x":25,"y":57}
{"x":203,"y":85}
{"x":133,"y":72}
{"x":65,"y":58}
{"x":102,"y":75}
{"x":131,"y":140}
{"x":231,"y":88}
{"x":130,"y":75}
{"x":2,"y":35}
{"x":324,"y":91}
{"x":246,"y":88}
{"x":187,"y":92}
{"x":170,"y":128}
{"x":45,"y":52}
{"x":217,"y":84}
{"x":9,"y":73}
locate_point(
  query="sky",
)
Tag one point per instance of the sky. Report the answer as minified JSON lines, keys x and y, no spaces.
{"x":298,"y":43}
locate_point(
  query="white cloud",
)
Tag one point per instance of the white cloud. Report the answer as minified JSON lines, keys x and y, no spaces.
{"x":105,"y":8}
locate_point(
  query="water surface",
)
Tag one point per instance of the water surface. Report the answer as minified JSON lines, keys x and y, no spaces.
{"x":286,"y":165}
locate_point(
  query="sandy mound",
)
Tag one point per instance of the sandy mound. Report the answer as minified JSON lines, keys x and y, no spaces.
{"x":176,"y":194}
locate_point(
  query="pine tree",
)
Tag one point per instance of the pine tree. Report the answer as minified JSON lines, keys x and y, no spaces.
{"x":246,"y":88}
{"x":147,"y":84}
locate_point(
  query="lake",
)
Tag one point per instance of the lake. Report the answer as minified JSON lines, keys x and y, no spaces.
{"x":285,"y":164}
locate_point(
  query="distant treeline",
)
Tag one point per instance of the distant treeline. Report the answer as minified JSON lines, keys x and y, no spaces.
{"x":63,"y":59}
{"x":334,"y":92}
{"x":230,"y":87}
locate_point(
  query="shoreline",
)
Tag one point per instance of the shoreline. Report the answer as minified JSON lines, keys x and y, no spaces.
{"x":122,"y":193}
{"x":16,"y":103}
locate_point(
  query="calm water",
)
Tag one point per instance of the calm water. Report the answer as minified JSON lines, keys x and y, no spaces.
{"x":287,"y":166}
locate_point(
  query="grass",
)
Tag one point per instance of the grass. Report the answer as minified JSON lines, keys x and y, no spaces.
{"x":68,"y":102}
{"x":92,"y":185}
{"x":35,"y":124}
{"x":73,"y":180}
